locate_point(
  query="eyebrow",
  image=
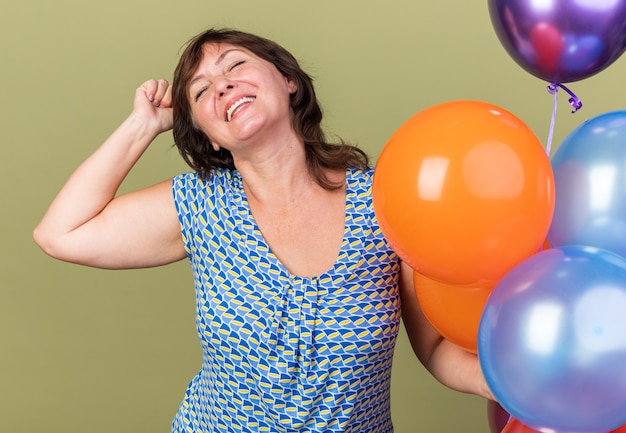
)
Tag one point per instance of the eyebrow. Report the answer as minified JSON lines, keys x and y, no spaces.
{"x":217,"y":62}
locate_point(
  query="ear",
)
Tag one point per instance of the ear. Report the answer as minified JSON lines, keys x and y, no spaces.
{"x":216,"y":147}
{"x":292,"y":87}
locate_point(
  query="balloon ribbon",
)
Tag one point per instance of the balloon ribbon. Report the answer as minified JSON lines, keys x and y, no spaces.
{"x":576,"y":104}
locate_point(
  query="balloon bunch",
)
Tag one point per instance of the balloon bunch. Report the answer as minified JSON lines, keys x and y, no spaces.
{"x":518,"y":257}
{"x":551,"y":338}
{"x":551,"y":342}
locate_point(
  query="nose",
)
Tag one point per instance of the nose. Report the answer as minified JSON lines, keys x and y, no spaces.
{"x":223,"y":86}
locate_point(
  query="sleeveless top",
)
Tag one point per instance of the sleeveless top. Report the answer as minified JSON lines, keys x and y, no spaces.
{"x":282,"y":353}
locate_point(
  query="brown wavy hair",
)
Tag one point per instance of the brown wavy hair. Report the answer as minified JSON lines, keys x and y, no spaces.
{"x":195,"y":147}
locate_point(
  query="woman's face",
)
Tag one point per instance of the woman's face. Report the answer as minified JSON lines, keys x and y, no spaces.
{"x":235,"y":96}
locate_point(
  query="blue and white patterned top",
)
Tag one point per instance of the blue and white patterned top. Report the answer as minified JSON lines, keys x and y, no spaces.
{"x":282,"y":353}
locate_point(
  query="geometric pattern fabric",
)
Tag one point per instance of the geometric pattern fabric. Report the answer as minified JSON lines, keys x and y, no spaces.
{"x":282,"y":353}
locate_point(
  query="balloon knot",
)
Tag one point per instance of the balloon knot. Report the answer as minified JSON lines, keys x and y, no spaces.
{"x":552,"y":88}
{"x":576,"y":103}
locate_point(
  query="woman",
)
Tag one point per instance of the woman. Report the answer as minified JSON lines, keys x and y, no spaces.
{"x":298,"y":293}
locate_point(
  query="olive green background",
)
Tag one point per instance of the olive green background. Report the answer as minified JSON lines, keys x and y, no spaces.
{"x":85,"y":350}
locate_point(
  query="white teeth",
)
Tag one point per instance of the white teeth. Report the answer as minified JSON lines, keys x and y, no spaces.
{"x":239,"y":103}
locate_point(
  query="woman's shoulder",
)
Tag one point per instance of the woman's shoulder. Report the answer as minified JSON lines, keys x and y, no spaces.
{"x":191,"y":185}
{"x":355,"y":175}
{"x":193,"y":179}
{"x":359,"y":187}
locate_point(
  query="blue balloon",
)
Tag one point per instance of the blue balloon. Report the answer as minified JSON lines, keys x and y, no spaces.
{"x":590,"y":185}
{"x":552,"y":340}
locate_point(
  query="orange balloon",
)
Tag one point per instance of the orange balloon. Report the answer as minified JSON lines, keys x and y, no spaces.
{"x":464,"y":191}
{"x":452,"y":310}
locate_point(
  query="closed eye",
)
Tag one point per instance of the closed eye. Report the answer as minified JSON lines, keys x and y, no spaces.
{"x":200,"y":92}
{"x":236,"y":64}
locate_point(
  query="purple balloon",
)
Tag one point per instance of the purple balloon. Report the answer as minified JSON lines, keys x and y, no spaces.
{"x":561,"y":40}
{"x":552,"y":340}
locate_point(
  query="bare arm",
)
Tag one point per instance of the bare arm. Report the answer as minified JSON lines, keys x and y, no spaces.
{"x":451,"y":365}
{"x":87,"y":224}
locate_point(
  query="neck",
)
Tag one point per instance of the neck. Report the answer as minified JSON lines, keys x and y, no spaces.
{"x":281,"y":178}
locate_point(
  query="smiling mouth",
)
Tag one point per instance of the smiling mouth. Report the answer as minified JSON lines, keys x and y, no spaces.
{"x":233,"y":108}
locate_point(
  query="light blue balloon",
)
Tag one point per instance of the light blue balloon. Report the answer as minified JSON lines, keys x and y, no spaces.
{"x":590,"y":185}
{"x":552,"y":340}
